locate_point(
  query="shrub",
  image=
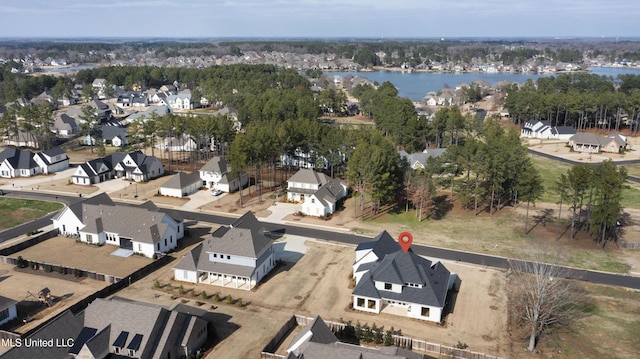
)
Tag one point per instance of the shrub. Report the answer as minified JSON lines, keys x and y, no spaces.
{"x":461,"y":345}
{"x":62,"y":270}
{"x":181,"y":289}
{"x":193,"y":293}
{"x":216,"y":297}
{"x":203,"y":295}
{"x":77,"y":272}
{"x":21,"y":263}
{"x":48,"y":268}
{"x":156,"y":283}
{"x":33,"y":265}
{"x":239,"y":302}
{"x":229,"y":299}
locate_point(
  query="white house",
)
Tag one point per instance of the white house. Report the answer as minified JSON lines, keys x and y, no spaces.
{"x":216,"y":174}
{"x":544,"y":130}
{"x":399,"y":279}
{"x":138,"y":167}
{"x":65,"y":125}
{"x":142,"y":229}
{"x":18,"y":163}
{"x":318,"y":192}
{"x":52,"y":160}
{"x":134,"y":166}
{"x":181,"y":185}
{"x":181,"y":101}
{"x":115,"y":136}
{"x":8,"y":310}
{"x":182,"y":143}
{"x":239,"y":256}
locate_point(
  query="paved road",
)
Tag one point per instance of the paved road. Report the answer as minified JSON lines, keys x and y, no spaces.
{"x":428,"y":251}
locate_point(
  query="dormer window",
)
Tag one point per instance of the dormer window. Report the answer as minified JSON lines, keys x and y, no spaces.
{"x":388,"y":286}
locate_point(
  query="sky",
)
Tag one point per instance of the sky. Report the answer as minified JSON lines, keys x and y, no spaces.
{"x":319,"y":18}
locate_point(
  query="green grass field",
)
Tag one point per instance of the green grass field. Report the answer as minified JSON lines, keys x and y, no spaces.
{"x":15,"y":211}
{"x":551,"y":170}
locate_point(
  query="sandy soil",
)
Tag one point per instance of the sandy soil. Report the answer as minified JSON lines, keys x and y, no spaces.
{"x":18,"y":286}
{"x":99,"y":259}
{"x":559,"y":148}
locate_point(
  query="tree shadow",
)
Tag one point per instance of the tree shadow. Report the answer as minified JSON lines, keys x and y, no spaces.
{"x":442,"y":206}
{"x":543,"y":217}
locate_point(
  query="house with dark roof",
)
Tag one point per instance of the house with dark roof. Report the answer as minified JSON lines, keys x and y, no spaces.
{"x":118,"y":328}
{"x":317,"y":341}
{"x":238,"y":256}
{"x":398,"y":279}
{"x":96,"y":171}
{"x":132,"y":99}
{"x":65,"y":125}
{"x":116,"y":136}
{"x":181,"y":185}
{"x":216,"y":174}
{"x":52,"y":160}
{"x":143,"y":229}
{"x":544,"y":130}
{"x":8,"y":310}
{"x":134,"y":166}
{"x":318,"y":192}
{"x":15,"y":162}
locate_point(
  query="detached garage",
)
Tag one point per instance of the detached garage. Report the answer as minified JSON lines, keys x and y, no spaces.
{"x":181,"y":185}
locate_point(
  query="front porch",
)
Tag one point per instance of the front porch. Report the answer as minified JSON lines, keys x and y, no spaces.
{"x":225,"y":280}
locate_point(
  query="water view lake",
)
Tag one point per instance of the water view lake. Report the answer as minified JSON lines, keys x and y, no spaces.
{"x":416,"y":85}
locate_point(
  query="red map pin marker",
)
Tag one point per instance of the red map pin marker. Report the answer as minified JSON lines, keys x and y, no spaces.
{"x":405,"y":239}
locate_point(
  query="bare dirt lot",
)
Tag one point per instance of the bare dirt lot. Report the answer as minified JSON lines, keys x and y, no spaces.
{"x":318,"y":284}
{"x":19,"y":285}
{"x":66,"y":251}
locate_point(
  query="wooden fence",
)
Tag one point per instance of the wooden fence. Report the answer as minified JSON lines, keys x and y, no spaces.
{"x":35,"y":239}
{"x":629,"y":245}
{"x":413,"y":344}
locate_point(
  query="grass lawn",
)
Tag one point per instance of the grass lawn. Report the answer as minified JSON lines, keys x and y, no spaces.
{"x":633,"y":170}
{"x":501,"y":235}
{"x":550,"y":171}
{"x":609,"y":328}
{"x":15,"y":211}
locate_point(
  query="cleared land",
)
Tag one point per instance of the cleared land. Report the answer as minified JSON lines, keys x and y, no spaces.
{"x":20,"y":285}
{"x":318,"y":284}
{"x":57,"y":250}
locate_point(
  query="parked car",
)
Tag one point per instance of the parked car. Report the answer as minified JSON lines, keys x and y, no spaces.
{"x":217,"y":192}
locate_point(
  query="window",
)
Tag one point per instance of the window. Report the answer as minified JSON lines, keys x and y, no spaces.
{"x":215,"y":255}
{"x":139,"y":247}
{"x":4,"y":314}
{"x":228,"y":257}
{"x":387,"y":286}
{"x":185,"y":275}
{"x":371,"y":304}
{"x":165,"y":242}
{"x":360,"y":302}
{"x":89,"y":238}
{"x":424,"y":312}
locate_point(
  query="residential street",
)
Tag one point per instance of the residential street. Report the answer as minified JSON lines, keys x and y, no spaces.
{"x":342,"y":237}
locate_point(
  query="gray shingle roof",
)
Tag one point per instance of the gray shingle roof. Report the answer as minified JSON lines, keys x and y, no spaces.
{"x":139,"y":224}
{"x":315,"y":332}
{"x":402,"y":268}
{"x":306,"y":175}
{"x":381,"y":245}
{"x":189,"y":261}
{"x":217,"y":164}
{"x":181,"y":180}
{"x":240,"y":242}
{"x":6,"y":303}
{"x":18,"y":158}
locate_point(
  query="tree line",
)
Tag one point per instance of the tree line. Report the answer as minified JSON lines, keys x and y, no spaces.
{"x":583,"y":101}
